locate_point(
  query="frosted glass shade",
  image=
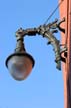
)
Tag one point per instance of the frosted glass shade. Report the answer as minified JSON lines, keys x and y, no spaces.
{"x":20,"y":65}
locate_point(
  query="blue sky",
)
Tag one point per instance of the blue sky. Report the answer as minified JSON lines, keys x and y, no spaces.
{"x":44,"y":87}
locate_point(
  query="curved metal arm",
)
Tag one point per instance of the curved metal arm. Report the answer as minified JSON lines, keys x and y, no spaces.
{"x":42,"y":30}
{"x":45,"y":31}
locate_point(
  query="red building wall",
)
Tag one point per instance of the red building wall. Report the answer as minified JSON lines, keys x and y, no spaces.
{"x":65,"y":11}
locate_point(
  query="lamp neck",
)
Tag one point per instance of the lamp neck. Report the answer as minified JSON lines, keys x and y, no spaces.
{"x":20,"y":45}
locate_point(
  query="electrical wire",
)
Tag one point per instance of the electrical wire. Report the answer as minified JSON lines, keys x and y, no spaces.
{"x":53,"y":12}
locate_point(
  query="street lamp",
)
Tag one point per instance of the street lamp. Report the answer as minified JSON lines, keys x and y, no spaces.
{"x":20,"y":63}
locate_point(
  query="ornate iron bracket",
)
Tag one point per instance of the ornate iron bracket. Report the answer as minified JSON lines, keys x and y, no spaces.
{"x":47,"y":31}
